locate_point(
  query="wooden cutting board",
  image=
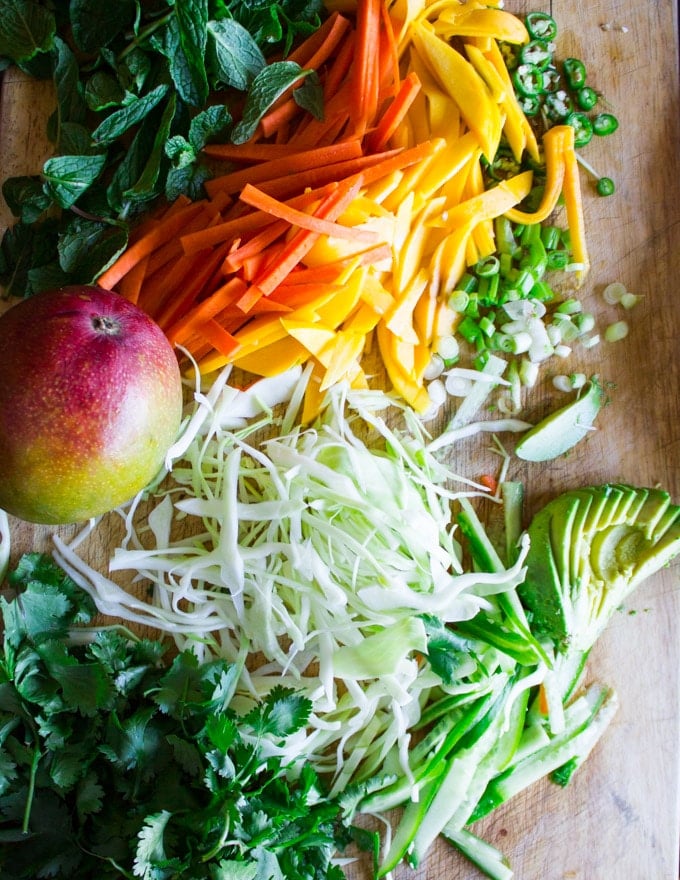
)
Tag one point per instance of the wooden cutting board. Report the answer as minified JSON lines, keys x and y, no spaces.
{"x":619,"y":817}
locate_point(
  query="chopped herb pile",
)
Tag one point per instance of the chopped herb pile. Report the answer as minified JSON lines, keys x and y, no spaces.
{"x":115,"y":764}
{"x":140,"y":89}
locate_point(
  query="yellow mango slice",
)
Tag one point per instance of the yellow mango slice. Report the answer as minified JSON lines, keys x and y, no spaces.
{"x":461,"y":81}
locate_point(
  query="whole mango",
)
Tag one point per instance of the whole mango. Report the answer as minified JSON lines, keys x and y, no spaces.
{"x":90,"y":402}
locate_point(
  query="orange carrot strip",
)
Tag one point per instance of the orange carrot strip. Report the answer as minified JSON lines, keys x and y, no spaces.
{"x":336,"y":75}
{"x":390,"y":50}
{"x":393,"y":116}
{"x":311,"y":55}
{"x":252,"y":295}
{"x":273,"y":120}
{"x":241,"y":222}
{"x":330,"y":209}
{"x":364,"y":72}
{"x":328,"y":272}
{"x":257,"y":199}
{"x":172,"y":249}
{"x":320,"y":132}
{"x":194,"y":288}
{"x":220,"y":339}
{"x":208,"y":308}
{"x":313,"y":51}
{"x":130,"y":285}
{"x":248,"y":152}
{"x":285,"y":187}
{"x":254,"y":246}
{"x":163,"y":286}
{"x":163,"y":231}
{"x":288,"y":165}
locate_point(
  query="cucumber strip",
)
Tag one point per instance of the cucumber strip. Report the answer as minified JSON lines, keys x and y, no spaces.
{"x":576,"y":741}
{"x":480,"y":853}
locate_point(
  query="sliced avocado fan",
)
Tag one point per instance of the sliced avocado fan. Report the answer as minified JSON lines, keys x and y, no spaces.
{"x":589,"y":549}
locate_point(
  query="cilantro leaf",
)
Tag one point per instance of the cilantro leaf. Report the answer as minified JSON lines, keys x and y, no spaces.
{"x":113,"y":764}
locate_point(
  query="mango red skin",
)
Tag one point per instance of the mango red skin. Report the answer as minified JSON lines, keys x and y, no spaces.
{"x":86,"y":416}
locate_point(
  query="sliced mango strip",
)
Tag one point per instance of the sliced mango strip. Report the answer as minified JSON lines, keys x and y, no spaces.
{"x":461,"y":81}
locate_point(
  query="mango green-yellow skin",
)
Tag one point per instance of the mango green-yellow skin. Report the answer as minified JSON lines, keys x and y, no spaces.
{"x":90,"y":402}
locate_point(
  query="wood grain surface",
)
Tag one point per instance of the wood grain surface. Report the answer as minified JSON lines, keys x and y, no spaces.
{"x":620,"y":817}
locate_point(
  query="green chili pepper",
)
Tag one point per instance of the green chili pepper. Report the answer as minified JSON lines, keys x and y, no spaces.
{"x":541,"y":26}
{"x":530,"y":104}
{"x":536,"y":52}
{"x":583,"y":128}
{"x":575,"y":73}
{"x":558,"y":105}
{"x":605,"y":186}
{"x":586,"y":98}
{"x":605,"y":123}
{"x":528,"y":80}
{"x":552,"y":80}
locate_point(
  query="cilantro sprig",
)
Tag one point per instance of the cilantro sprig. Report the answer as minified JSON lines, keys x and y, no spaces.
{"x":115,"y":763}
{"x":140,"y":89}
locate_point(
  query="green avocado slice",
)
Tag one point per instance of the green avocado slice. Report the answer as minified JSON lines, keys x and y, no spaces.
{"x":589,"y":549}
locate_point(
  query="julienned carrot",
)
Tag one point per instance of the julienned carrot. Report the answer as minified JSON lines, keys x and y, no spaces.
{"x":287,"y":165}
{"x":243,"y":222}
{"x":329,"y":272}
{"x":130,"y":285}
{"x":236,"y":258}
{"x":208,"y":308}
{"x":338,"y":71}
{"x":263,"y":202}
{"x":364,"y":76}
{"x":249,"y":151}
{"x":311,"y":55}
{"x":185,"y":295}
{"x":161,"y":232}
{"x":320,"y":45}
{"x":394,"y":114}
{"x":220,"y":339}
{"x":330,"y":209}
{"x":285,"y":187}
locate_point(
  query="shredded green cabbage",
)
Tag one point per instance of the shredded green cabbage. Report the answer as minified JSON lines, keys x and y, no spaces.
{"x":317,"y":549}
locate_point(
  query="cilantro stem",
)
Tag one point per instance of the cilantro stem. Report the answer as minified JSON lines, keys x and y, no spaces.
{"x":220,"y":842}
{"x":37,"y":755}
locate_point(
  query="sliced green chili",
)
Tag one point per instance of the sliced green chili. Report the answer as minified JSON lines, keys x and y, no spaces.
{"x":528,"y":80}
{"x":574,"y":72}
{"x":552,"y":79}
{"x":541,"y":26}
{"x":605,"y":186}
{"x":530,"y":104}
{"x":586,"y":98}
{"x":536,"y":52}
{"x":583,"y":128}
{"x":605,"y":123}
{"x":558,"y":105}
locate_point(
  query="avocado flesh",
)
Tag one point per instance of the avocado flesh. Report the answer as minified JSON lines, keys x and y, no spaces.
{"x":589,"y":549}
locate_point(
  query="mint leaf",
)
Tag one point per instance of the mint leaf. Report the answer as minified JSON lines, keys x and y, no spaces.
{"x":96,"y":24}
{"x":211,"y":124}
{"x":192,"y":24}
{"x":68,"y":177}
{"x":25,"y":197}
{"x":120,"y":121}
{"x":270,"y":83}
{"x":26,"y":29}
{"x":235,"y":54}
